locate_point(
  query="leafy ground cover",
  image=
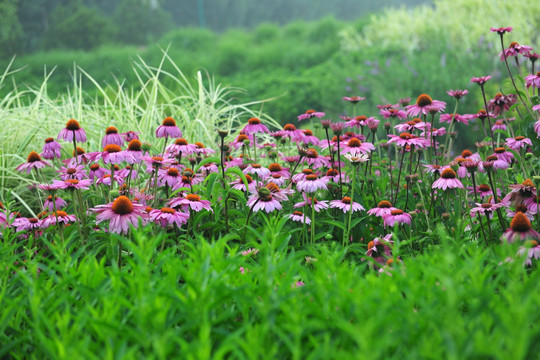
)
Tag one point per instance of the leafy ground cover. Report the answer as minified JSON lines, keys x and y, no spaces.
{"x":176,"y":224}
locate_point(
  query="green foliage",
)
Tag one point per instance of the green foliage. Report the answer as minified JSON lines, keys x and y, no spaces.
{"x":205,"y":299}
{"x":10,"y":28}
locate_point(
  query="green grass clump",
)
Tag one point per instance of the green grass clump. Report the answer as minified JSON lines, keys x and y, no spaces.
{"x":204,"y":299}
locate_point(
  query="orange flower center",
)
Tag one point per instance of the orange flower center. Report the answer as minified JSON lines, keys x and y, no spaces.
{"x":384,"y":204}
{"x":49,"y":140}
{"x":520,"y":223}
{"x":311,"y":177}
{"x":405,"y":136}
{"x":466,"y":153}
{"x":168,"y":210}
{"x":169,"y":121}
{"x":500,"y":150}
{"x":519,"y":138}
{"x":122,"y":205}
{"x":80,"y":151}
{"x":199,"y":145}
{"x":299,"y":213}
{"x":71,"y":171}
{"x":173,"y":172}
{"x":424,"y":100}
{"x":256,"y":166}
{"x":61,"y":213}
{"x":274,"y":167}
{"x":484,"y":187}
{"x":33,"y":157}
{"x":135,"y":145}
{"x":312,"y":154}
{"x":310,"y":111}
{"x":73,"y":125}
{"x":193,"y":197}
{"x":73,"y":181}
{"x":112,"y":148}
{"x":94,"y":167}
{"x":448,"y":174}
{"x":242,"y":138}
{"x":354,"y":142}
{"x":346,"y":200}
{"x":249,"y":179}
{"x":396,"y":212}
{"x":272,"y":187}
{"x":254,"y":121}
{"x":181,"y":142}
{"x":111,"y":130}
{"x":308,"y":132}
{"x":307,"y":171}
{"x":289,"y":127}
{"x":527,"y":182}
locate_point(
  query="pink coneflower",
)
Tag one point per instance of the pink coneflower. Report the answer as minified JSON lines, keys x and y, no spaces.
{"x":523,"y":208}
{"x":520,"y":229}
{"x":239,"y":184}
{"x":447,"y":180}
{"x":520,"y":192}
{"x":337,"y":128}
{"x":33,"y":161}
{"x":254,"y":126}
{"x":456,"y":117}
{"x":334,"y":176}
{"x":533,"y":80}
{"x":27,"y":224}
{"x":167,"y":216}
{"x":422,"y":102}
{"x":106,"y":179}
{"x":502,"y":154}
{"x":406,"y":139}
{"x":514,"y":49}
{"x":201,"y":149}
{"x":498,"y":125}
{"x":130,"y":135}
{"x":72,"y":130}
{"x":379,"y":249}
{"x":358,"y":121}
{"x":414,"y":124}
{"x":345,"y":205}
{"x":263,"y":200}
{"x":72,"y":184}
{"x":532,"y":249}
{"x":250,"y":252}
{"x":277,"y":193}
{"x":501,"y":103}
{"x":134,"y":152}
{"x":51,"y":149}
{"x":309,"y":114}
{"x":485,"y":209}
{"x":383,"y":208}
{"x":155,"y":162}
{"x":354,"y":99}
{"x":434,"y":169}
{"x":394,"y":114}
{"x":518,"y":142}
{"x":290,"y":131}
{"x":537,"y":126}
{"x":275,"y":168}
{"x":170,"y":177}
{"x":97,"y":172}
{"x":457,"y":94}
{"x":372,"y":124}
{"x":355,"y":146}
{"x":302,"y":175}
{"x":300,"y":217}
{"x":113,"y":154}
{"x":404,"y":101}
{"x":308,"y":201}
{"x":501,"y":30}
{"x":112,"y":137}
{"x":191,"y":201}
{"x":396,"y":216}
{"x":313,"y":158}
{"x":258,"y":169}
{"x":49,"y":203}
{"x":309,"y":138}
{"x":531,"y":204}
{"x":536,"y":107}
{"x":311,"y":184}
{"x":481,"y":80}
{"x":121,"y":213}
{"x":58,"y":217}
{"x":483,"y":190}
{"x":434,"y":132}
{"x":168,"y":129}
{"x":241,"y":141}
{"x":73,"y":172}
{"x":277,"y":179}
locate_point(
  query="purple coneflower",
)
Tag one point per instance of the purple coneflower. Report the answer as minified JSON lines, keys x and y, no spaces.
{"x":406,"y":139}
{"x":258,"y":169}
{"x":456,"y":117}
{"x":501,"y":103}
{"x":168,"y":129}
{"x":58,"y":217}
{"x":254,"y":126}
{"x":501,"y":30}
{"x":313,"y":158}
{"x":345,"y":205}
{"x":383,"y":208}
{"x":72,"y":130}
{"x":520,"y":229}
{"x":457,"y":94}
{"x":394,"y":113}
{"x":514,"y":49}
{"x":358,"y":121}
{"x":412,"y":125}
{"x":191,"y":201}
{"x":481,"y":80}
{"x":533,"y":80}
{"x":112,"y":137}
{"x":311,"y":183}
{"x":51,"y":149}
{"x":130,"y":135}
{"x":113,"y":154}
{"x":72,"y":184}
{"x":379,"y":249}
{"x":239,"y":184}
{"x":355,"y":146}
{"x":203,"y":150}
{"x":447,"y":180}
{"x":518,"y":142}
{"x":167,"y":216}
{"x":300,"y":217}
{"x":309,"y":114}
{"x":121,"y":213}
{"x":532,"y":249}
{"x":311,"y":201}
{"x":354,"y":99}
{"x":263,"y":200}
{"x":97,"y":172}
{"x":33,"y":161}
{"x":396,"y":216}
{"x":422,"y":102}
{"x":49,"y":203}
{"x":485,"y":209}
{"x":309,"y":138}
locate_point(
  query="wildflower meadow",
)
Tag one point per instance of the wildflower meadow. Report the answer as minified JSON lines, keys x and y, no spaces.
{"x":155,"y":224}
